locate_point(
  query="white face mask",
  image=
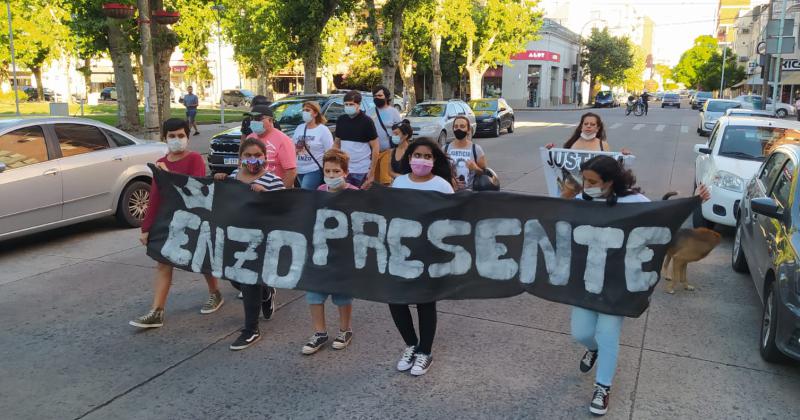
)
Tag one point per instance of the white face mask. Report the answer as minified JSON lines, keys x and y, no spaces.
{"x":594,"y":192}
{"x":177,"y":145}
{"x":334,"y":183}
{"x":395,"y":140}
{"x":307,"y":117}
{"x":587,"y":136}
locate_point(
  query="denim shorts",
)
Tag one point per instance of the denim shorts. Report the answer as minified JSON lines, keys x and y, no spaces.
{"x":314,"y":298}
{"x":356,"y":180}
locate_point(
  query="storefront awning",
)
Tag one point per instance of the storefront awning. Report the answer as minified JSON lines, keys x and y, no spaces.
{"x":740,"y":84}
{"x":790,"y":78}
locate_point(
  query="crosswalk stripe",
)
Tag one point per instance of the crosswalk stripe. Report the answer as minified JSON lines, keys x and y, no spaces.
{"x":660,"y":127}
{"x":638,"y":126}
{"x":684,"y":129}
{"x":615,"y":125}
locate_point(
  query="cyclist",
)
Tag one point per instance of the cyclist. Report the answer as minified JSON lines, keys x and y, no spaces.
{"x":645,"y":97}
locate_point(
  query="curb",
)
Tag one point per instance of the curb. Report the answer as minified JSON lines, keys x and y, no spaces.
{"x":553,"y":109}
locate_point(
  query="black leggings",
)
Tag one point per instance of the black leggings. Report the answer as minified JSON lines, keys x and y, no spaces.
{"x":401,"y":314}
{"x":252,"y":297}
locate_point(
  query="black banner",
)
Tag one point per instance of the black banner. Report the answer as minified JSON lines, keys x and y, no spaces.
{"x":409,"y":246}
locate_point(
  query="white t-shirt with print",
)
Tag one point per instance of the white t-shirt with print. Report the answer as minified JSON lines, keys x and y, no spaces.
{"x":460,"y":157}
{"x":436,"y":183}
{"x":318,"y":139}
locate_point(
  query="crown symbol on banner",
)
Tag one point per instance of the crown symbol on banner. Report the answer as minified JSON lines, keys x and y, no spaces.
{"x":196,"y":194}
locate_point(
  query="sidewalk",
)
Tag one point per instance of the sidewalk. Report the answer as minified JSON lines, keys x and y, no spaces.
{"x":567,"y":107}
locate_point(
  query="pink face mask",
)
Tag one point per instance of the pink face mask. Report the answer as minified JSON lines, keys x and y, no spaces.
{"x":421,"y":167}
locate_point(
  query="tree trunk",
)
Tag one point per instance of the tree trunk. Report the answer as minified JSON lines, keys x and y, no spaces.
{"x":127,"y":103}
{"x":436,"y":49}
{"x":87,"y":77}
{"x":165,"y":41}
{"x":327,"y":73}
{"x":310,"y":62}
{"x":137,"y":56}
{"x":37,"y":74}
{"x":407,"y":74}
{"x":261,"y":86}
{"x":592,"y":81}
{"x":265,"y":82}
{"x":395,"y":45}
{"x":475,"y":79}
{"x":151,"y":114}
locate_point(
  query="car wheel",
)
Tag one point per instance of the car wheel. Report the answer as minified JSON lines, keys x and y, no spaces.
{"x":699,"y":131}
{"x":496,"y":129}
{"x":133,"y":203}
{"x":679,"y":107}
{"x":511,"y":127}
{"x":781,"y":113}
{"x":662,"y":105}
{"x":442,"y":140}
{"x":738,"y":261}
{"x":769,"y":328}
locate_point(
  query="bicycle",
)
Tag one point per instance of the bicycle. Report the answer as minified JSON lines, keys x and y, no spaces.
{"x":637,"y":107}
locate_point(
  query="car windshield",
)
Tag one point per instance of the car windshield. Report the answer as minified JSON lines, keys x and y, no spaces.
{"x":718,"y":106}
{"x":288,"y":112}
{"x":703,"y":95}
{"x":246,"y":92}
{"x":672,"y":95}
{"x":604,"y":95}
{"x":427,"y":110}
{"x":747,"y":142}
{"x":483,"y":105}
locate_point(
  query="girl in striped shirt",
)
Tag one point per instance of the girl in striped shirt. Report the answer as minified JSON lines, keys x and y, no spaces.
{"x":252,"y":155}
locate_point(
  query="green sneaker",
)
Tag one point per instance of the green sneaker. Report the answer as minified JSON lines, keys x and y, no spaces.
{"x":213,"y":303}
{"x":153,"y":319}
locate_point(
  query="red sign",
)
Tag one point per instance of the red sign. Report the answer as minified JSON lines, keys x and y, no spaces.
{"x":179,"y":69}
{"x":495,"y":72}
{"x":537,"y":55}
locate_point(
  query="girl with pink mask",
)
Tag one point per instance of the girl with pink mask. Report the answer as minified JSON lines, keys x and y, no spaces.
{"x":426,"y":167}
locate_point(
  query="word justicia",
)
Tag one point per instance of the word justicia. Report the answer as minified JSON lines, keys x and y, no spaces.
{"x":248,"y":255}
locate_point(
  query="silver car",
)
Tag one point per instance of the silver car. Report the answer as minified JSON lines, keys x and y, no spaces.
{"x":60,"y":171}
{"x":710,"y":113}
{"x":433,"y":120}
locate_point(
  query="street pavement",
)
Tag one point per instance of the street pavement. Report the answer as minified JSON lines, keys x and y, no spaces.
{"x":68,"y":352}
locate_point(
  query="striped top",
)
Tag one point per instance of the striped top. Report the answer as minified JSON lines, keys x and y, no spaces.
{"x":268,"y":180}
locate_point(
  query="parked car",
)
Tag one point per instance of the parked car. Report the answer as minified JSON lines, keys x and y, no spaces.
{"x":33,"y":94}
{"x":712,"y":110}
{"x":61,"y":171}
{"x":754,"y":102}
{"x":108,"y":94}
{"x":744,"y":112}
{"x":659,"y":96}
{"x":433,"y":120}
{"x":237,"y":97}
{"x":699,"y":99}
{"x":735,"y":150}
{"x":492,"y":116}
{"x":605,"y":99}
{"x":766,"y":245}
{"x":671,"y":99}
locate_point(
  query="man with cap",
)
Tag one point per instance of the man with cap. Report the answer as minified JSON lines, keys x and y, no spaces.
{"x":281,"y":157}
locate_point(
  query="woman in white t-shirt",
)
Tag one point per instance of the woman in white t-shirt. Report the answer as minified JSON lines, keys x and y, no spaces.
{"x":605,"y":179}
{"x":467,"y":157}
{"x":426,"y":168}
{"x":311,"y":140}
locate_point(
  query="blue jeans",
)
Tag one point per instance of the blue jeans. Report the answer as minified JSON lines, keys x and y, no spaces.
{"x":314,"y":298}
{"x":599,"y":332}
{"x":311,"y":180}
{"x":356,"y":180}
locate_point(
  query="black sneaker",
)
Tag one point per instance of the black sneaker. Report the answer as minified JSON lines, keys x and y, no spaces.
{"x":196,"y":133}
{"x":315,"y":343}
{"x":245,"y":340}
{"x":422,"y":362}
{"x":342,"y":340}
{"x":587,"y":362}
{"x":599,"y":405}
{"x":268,"y":303}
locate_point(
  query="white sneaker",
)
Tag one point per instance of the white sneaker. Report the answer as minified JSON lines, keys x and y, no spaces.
{"x":422,"y":362}
{"x":407,"y":359}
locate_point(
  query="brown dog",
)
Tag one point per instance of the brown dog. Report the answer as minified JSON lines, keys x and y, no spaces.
{"x":688,"y":245}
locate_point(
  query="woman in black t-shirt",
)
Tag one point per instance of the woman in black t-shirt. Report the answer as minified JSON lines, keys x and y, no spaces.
{"x":401,"y":138}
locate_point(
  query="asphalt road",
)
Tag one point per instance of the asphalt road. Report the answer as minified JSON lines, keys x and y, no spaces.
{"x":67,"y":351}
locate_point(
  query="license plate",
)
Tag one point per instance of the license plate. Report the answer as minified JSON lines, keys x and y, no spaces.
{"x":231,"y":161}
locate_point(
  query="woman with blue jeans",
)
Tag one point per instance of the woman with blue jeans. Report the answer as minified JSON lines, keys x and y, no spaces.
{"x":605,"y":180}
{"x":311,"y":139}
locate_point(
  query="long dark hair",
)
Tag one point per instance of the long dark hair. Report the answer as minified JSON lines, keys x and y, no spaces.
{"x":441,"y":164}
{"x":405,"y":128}
{"x":601,"y":130}
{"x":610,"y":169}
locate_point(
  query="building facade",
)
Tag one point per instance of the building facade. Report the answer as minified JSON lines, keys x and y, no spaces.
{"x":728,"y":12}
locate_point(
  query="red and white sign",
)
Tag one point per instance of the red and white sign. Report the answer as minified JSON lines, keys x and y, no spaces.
{"x":537,"y":55}
{"x":180,"y":68}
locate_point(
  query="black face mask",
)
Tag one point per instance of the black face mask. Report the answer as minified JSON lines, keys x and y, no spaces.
{"x":460,"y":134}
{"x":379,"y":102}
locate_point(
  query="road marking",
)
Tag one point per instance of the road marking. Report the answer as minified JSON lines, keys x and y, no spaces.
{"x":616,"y":125}
{"x":684,"y":129}
{"x":661,"y":127}
{"x":638,"y":127}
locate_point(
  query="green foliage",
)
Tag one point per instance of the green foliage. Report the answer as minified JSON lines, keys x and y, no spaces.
{"x":497,"y":29}
{"x":194,"y":32}
{"x":689,"y":69}
{"x":606,"y":57}
{"x":664,"y":71}
{"x":257,"y":35}
{"x":363,"y":73}
{"x":305,"y":20}
{"x":634,"y":74}
{"x":710,"y":73}
{"x":39,"y":34}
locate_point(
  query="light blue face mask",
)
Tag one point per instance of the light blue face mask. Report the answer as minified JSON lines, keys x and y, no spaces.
{"x":350,"y":110}
{"x":257,"y":127}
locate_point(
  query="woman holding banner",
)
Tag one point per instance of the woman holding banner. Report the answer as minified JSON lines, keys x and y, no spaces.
{"x":605,"y":179}
{"x":590,"y":135}
{"x":426,"y":168}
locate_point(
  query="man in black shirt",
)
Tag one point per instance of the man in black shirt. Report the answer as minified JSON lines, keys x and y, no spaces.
{"x":645,"y":98}
{"x":356,"y":135}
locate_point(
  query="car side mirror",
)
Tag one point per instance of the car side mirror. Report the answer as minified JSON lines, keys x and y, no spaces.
{"x":766,"y":207}
{"x":2,"y":167}
{"x":502,"y":109}
{"x":702,"y":149}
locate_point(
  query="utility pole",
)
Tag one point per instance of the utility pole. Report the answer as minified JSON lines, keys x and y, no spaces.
{"x":151,"y":121}
{"x":767,"y":63}
{"x":722,"y":79}
{"x":219,"y":9}
{"x":13,"y":60}
{"x":778,"y":59}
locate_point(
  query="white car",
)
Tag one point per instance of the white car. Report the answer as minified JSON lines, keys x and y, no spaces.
{"x":754,"y":102}
{"x":433,"y":120}
{"x":59,"y":171}
{"x":732,"y":156}
{"x":710,"y":113}
{"x":743,"y":112}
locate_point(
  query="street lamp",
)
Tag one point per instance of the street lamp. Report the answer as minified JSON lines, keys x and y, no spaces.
{"x":13,"y":60}
{"x":219,"y":9}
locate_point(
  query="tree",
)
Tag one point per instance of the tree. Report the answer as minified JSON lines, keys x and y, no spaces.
{"x":164,"y":42}
{"x":194,"y":33}
{"x":634,"y":74}
{"x":388,"y":20}
{"x":335,"y":47}
{"x":605,"y":58}
{"x":664,"y":71}
{"x":363,"y":74}
{"x":304,"y":22}
{"x":689,"y":69}
{"x":710,"y":73}
{"x":498,"y":29}
{"x":151,"y":105}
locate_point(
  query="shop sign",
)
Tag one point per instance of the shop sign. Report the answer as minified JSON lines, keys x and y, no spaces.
{"x":790,"y":64}
{"x":180,"y":69}
{"x":537,"y":56}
